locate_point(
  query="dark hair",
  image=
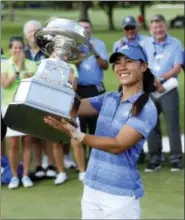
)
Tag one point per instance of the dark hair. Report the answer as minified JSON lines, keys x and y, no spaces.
{"x":85,"y":20}
{"x":16,"y":38}
{"x":158,"y":18}
{"x":148,"y":87}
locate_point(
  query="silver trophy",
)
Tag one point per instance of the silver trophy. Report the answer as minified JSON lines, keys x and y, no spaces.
{"x":49,"y":91}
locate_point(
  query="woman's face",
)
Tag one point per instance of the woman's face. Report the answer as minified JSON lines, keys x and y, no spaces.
{"x":17,"y":48}
{"x":128,"y":71}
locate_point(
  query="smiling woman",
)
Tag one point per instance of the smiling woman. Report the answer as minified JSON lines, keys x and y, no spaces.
{"x":16,"y":68}
{"x":113,"y":186}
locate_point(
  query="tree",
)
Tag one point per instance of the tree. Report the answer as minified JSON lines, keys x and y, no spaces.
{"x":11,"y":10}
{"x":142,"y":7}
{"x":68,"y":5}
{"x":84,"y":7}
{"x":108,"y":7}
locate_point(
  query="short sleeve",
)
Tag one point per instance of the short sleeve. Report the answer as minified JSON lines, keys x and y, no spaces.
{"x":4,"y":66}
{"x":178,"y":56}
{"x":102,"y":50}
{"x":97,"y":101}
{"x":145,"y":121}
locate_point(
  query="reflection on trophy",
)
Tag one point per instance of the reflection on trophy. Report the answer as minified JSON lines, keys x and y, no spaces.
{"x":49,"y":91}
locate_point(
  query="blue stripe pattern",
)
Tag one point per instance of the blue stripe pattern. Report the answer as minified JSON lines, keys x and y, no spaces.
{"x":117,"y":173}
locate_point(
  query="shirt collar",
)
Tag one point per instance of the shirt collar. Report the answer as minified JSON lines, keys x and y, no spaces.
{"x":132,"y":98}
{"x":167,"y":40}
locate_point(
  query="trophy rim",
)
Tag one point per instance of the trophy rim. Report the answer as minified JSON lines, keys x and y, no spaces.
{"x":63,"y":32}
{"x":45,"y":38}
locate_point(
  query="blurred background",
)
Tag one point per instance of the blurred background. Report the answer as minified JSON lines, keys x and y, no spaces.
{"x":164,"y":200}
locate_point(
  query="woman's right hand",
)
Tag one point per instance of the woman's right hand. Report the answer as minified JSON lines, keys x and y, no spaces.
{"x":20,"y":61}
{"x":159,"y":86}
{"x":63,"y":126}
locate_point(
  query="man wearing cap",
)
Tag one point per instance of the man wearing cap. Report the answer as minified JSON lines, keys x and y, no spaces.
{"x":165,"y":60}
{"x":130,"y":30}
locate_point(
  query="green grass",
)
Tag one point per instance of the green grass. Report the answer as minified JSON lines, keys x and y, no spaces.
{"x":164,"y":197}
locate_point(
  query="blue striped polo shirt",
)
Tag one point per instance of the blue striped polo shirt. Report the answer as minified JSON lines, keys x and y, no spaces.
{"x":117,"y":173}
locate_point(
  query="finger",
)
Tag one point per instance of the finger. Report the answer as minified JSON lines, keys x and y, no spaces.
{"x":55,"y":123}
{"x":51,"y":121}
{"x":59,"y":125}
{"x":54,"y":119}
{"x":48,"y":121}
{"x":64,"y":121}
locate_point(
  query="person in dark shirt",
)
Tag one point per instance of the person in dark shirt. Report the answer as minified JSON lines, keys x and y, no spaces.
{"x":32,"y":51}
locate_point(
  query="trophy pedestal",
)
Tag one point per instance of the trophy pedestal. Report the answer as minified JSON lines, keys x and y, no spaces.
{"x":35,"y":100}
{"x":28,"y":119}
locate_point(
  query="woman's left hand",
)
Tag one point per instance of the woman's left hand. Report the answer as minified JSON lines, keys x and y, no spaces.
{"x":63,"y":126}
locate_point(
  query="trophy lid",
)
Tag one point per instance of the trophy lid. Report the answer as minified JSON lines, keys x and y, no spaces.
{"x":45,"y":38}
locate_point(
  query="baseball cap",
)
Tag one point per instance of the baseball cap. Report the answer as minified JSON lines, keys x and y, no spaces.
{"x":132,"y":51}
{"x":129,"y":21}
{"x":158,"y":17}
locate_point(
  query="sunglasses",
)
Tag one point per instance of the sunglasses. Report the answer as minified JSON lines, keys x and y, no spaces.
{"x":127,"y":28}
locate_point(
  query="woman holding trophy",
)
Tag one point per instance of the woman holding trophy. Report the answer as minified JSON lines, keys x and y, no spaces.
{"x":113,"y":186}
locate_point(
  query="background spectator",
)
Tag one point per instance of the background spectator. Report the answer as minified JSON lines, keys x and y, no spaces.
{"x":33,"y":52}
{"x":13,"y":70}
{"x":165,"y":60}
{"x":130,"y":32}
{"x":90,"y":82}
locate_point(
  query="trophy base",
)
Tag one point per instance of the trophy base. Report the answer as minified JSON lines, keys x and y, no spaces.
{"x":30,"y":120}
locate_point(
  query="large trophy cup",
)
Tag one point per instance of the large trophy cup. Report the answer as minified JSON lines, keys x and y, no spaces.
{"x":49,"y":91}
